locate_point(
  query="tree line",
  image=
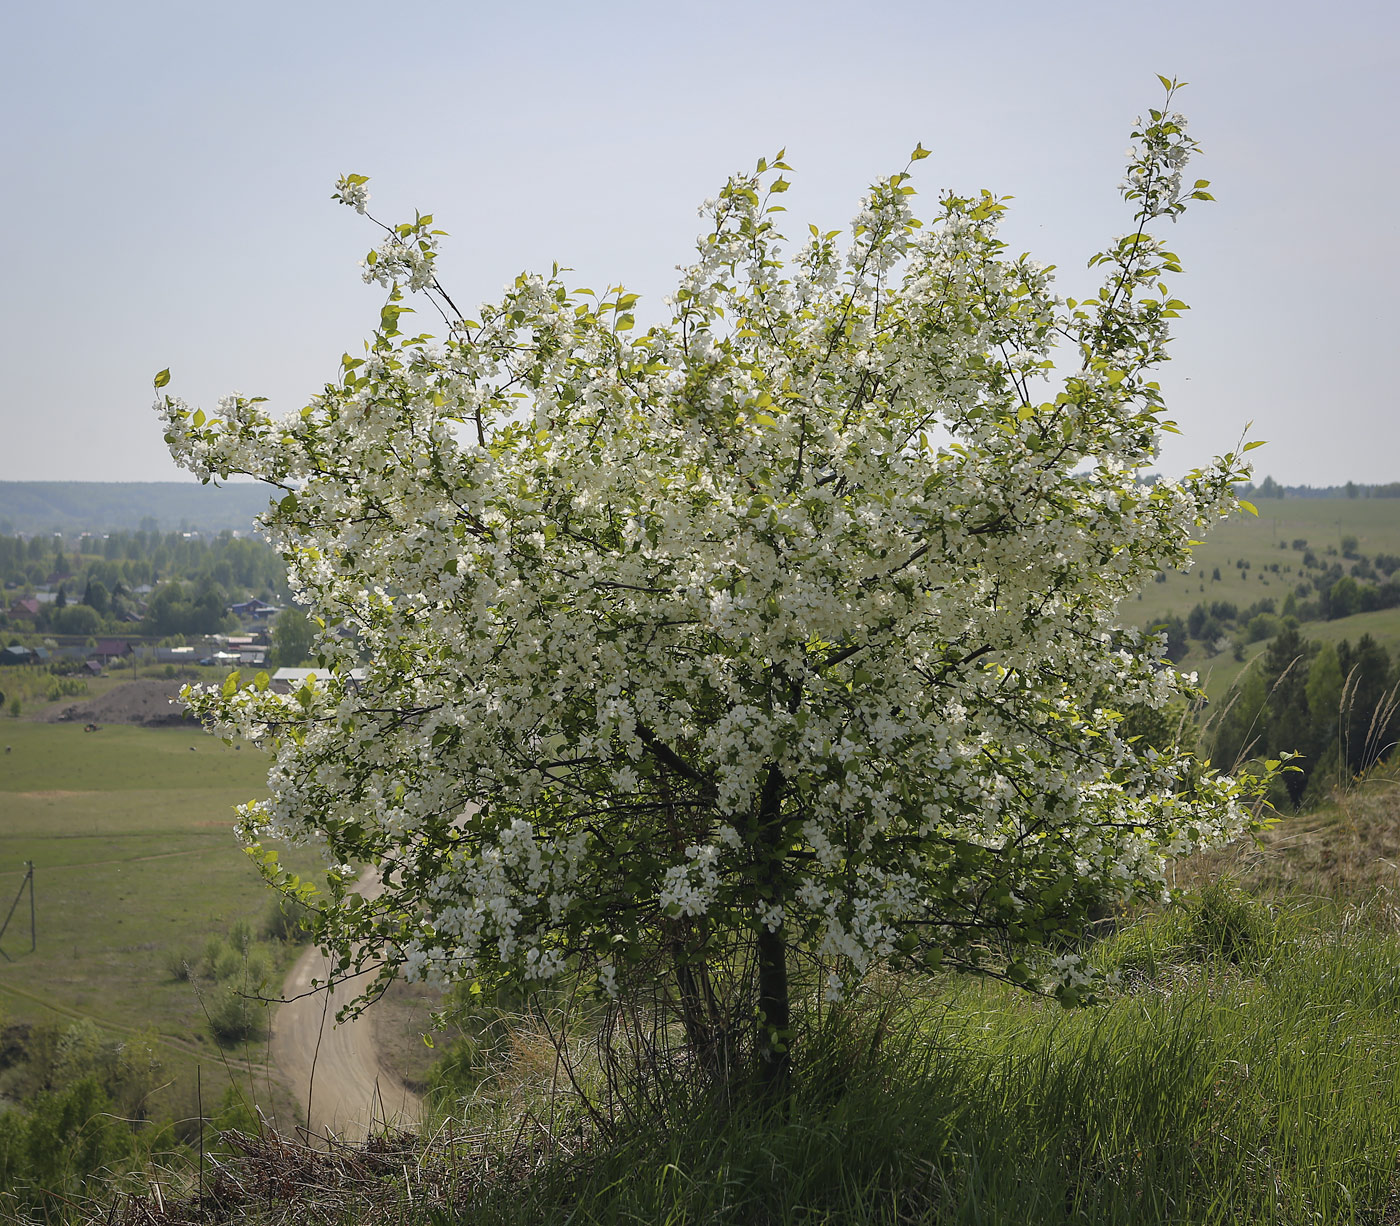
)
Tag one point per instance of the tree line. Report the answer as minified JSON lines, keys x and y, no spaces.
{"x":1269,"y":488}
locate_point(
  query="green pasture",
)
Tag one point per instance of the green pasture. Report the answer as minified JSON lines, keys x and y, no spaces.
{"x":1322,"y":522}
{"x":131,"y":834}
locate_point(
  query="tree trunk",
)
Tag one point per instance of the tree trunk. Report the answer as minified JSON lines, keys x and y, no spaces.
{"x":774,"y":1007}
{"x":775,"y":1017}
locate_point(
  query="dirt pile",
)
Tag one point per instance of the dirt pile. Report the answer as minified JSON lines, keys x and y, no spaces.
{"x":152,"y":704}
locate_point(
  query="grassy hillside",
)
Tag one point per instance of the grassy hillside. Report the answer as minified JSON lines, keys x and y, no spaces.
{"x":1244,"y":1069}
{"x":1263,"y":543}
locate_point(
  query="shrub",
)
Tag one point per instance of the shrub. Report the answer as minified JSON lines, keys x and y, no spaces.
{"x":181,"y":964}
{"x":287,"y":920}
{"x":236,"y":1018}
{"x":1262,"y":626}
{"x":690,"y":625}
{"x":228,"y":964}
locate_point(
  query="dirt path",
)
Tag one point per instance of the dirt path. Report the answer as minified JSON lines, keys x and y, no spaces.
{"x":334,"y":1071}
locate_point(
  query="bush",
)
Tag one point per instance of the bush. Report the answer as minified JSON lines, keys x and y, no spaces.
{"x":64,"y":687}
{"x":1219,"y":924}
{"x":240,"y":936}
{"x":48,"y":1156}
{"x":287,"y":920}
{"x":236,"y":1018}
{"x":228,"y":964}
{"x":1262,"y":626}
{"x":214,"y":948}
{"x":181,"y":964}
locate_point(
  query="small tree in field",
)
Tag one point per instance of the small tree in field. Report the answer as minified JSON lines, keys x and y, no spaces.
{"x":293,"y":639}
{"x":783,"y":629}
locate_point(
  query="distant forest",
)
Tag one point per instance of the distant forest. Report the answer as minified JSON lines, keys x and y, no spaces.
{"x":30,"y":507}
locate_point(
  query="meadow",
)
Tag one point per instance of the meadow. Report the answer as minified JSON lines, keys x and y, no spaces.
{"x":1266,"y":539}
{"x":136,"y":870}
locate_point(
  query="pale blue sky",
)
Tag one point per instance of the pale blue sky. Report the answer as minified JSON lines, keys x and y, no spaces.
{"x":167,"y":171}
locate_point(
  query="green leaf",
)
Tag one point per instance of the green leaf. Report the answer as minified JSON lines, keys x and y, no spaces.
{"x":1259,"y":442}
{"x":919,"y":153}
{"x":198,"y":417}
{"x":1249,"y":506}
{"x":261,"y":681}
{"x":231,"y":684}
{"x":163,"y":378}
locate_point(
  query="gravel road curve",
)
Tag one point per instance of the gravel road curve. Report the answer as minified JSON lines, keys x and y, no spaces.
{"x":341,"y":1087}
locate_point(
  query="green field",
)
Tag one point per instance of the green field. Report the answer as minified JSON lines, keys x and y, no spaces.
{"x":1266,"y":541}
{"x":1322,"y":522}
{"x":131,"y":834}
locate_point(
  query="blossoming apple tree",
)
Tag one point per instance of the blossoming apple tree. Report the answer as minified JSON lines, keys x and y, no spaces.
{"x":783,"y":627}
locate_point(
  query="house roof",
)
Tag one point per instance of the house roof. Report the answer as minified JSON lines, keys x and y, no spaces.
{"x":298,"y":675}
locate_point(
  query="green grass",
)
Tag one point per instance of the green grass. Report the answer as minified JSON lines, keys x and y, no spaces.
{"x":1208,"y":1098}
{"x":131,"y":835}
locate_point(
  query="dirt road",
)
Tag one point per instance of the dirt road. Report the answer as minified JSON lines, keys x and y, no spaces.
{"x":334,"y":1071}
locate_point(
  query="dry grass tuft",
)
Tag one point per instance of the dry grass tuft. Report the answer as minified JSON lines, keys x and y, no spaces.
{"x":274,"y":1180}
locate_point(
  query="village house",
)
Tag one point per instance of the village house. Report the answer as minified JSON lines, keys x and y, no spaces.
{"x":176,"y":655}
{"x":255,"y":609}
{"x":108,"y":650}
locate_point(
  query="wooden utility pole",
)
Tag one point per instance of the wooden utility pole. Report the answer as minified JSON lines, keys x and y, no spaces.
{"x":28,"y":881}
